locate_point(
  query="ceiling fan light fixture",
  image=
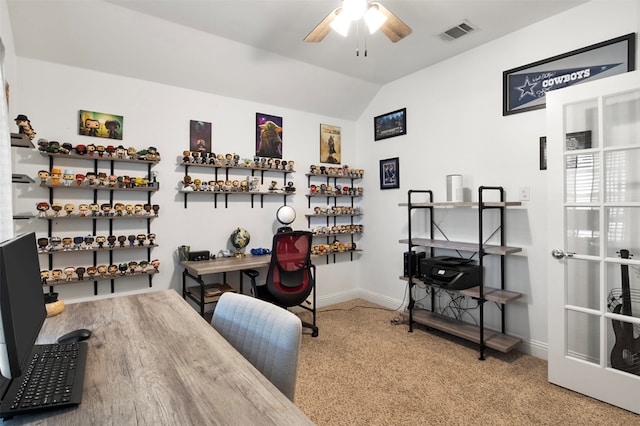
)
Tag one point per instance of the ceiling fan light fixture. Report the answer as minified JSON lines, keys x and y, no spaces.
{"x":341,"y":24}
{"x":354,"y":9}
{"x":374,"y":19}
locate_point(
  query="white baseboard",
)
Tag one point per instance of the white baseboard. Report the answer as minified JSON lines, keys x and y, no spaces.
{"x":531,"y":347}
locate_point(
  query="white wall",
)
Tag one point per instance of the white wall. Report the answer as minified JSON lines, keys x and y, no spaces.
{"x":159,"y":115}
{"x":455,"y":125}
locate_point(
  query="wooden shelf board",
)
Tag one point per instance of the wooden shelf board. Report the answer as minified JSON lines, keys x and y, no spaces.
{"x":239,"y":167}
{"x":463,"y":204}
{"x":492,"y":339}
{"x":21,"y":140}
{"x":98,"y":158}
{"x":194,"y":291}
{"x":332,"y":176}
{"x":106,"y":277}
{"x":492,"y":294}
{"x":20,"y":178}
{"x":103,"y":249}
{"x":457,"y":245}
{"x":103,"y":187}
{"x":277,"y":192}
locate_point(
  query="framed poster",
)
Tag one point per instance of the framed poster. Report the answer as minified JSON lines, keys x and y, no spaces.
{"x":100,"y":125}
{"x":199,"y":136}
{"x":525,"y":87}
{"x":390,"y":173}
{"x":330,"y":144}
{"x":268,"y":136}
{"x":390,"y":124}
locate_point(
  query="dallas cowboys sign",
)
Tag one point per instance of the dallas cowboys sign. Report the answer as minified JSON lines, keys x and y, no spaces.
{"x":525,"y":88}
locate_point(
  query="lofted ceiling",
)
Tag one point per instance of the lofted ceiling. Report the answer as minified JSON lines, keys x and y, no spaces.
{"x":210,"y":45}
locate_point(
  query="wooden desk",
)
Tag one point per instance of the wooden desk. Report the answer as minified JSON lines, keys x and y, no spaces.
{"x":195,"y":271}
{"x":154,"y":361}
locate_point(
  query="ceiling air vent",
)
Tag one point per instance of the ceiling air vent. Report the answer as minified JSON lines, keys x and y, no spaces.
{"x":458,"y":31}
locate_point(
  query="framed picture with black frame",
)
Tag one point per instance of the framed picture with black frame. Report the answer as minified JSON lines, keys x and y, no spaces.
{"x":390,"y":173}
{"x":525,"y":87}
{"x":390,"y":124}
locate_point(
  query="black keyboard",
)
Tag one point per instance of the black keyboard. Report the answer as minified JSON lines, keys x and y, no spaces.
{"x":53,"y":378}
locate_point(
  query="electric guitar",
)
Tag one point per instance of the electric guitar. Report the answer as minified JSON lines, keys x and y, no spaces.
{"x":625,"y":354}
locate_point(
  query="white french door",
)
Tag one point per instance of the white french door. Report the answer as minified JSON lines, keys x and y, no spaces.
{"x":593,"y":142}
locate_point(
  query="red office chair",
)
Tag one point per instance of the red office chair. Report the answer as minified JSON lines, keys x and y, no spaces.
{"x":291,"y":277}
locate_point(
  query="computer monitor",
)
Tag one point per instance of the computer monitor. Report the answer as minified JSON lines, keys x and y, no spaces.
{"x":22,"y":309}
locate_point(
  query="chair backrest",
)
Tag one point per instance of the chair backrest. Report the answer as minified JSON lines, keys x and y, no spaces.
{"x":265,"y":334}
{"x":290,"y":278}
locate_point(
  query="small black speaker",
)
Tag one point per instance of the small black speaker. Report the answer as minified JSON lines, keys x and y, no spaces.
{"x":199,"y":255}
{"x":415,"y":262}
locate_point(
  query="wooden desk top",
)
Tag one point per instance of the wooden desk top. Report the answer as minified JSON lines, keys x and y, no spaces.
{"x":154,"y":361}
{"x":226,"y":264}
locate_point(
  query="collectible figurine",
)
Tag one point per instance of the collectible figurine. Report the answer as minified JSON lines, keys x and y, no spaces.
{"x":129,"y":209}
{"x":144,"y":264}
{"x":102,"y":270}
{"x":113,"y":269}
{"x":43,"y":175}
{"x":156,"y":264}
{"x":101,"y":239}
{"x":111,"y":239}
{"x":122,"y":239}
{"x":123,"y":268}
{"x":83,"y":208}
{"x":57,"y":208}
{"x":141,"y":239}
{"x":91,"y":271}
{"x":25,"y":126}
{"x":137,"y":209}
{"x":80,"y":270}
{"x":88,"y":241}
{"x":106,"y":209}
{"x":151,"y":238}
{"x":77,"y":242}
{"x":155,"y":208}
{"x":132,"y":266}
{"x":55,"y":176}
{"x":132,"y":240}
{"x":66,"y":243}
{"x":44,"y":276}
{"x":55,"y":242}
{"x":94,"y":208}
{"x":68,"y":272}
{"x":91,"y":178}
{"x":102,"y":179}
{"x":79,"y":178}
{"x":69,"y":208}
{"x":91,"y":148}
{"x":42,"y":244}
{"x":81,"y":149}
{"x":119,"y":208}
{"x":100,"y":149}
{"x":42,"y":207}
{"x":56,"y":274}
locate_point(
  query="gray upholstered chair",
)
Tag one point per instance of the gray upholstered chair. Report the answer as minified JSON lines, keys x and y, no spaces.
{"x":265,"y":334}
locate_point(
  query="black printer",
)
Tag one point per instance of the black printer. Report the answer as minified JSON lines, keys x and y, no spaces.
{"x":452,"y":273}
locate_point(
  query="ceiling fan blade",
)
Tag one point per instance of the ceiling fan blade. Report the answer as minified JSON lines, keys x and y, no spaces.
{"x":393,"y":27}
{"x":323,"y":28}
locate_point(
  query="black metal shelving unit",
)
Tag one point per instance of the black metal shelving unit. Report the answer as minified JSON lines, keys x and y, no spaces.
{"x":485,"y":338}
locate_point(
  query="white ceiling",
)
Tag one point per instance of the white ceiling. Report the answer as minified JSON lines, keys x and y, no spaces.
{"x":158,"y":40}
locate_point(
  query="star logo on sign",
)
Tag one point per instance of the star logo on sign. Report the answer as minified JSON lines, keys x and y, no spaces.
{"x":527,"y":88}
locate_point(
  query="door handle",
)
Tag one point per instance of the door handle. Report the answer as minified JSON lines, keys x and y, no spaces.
{"x":559,"y":254}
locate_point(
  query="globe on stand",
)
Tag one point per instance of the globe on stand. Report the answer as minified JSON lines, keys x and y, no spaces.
{"x":239,"y":240}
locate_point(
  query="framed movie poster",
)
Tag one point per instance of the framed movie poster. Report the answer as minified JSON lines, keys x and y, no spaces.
{"x":330,"y":144}
{"x":199,"y":136}
{"x":525,"y":87}
{"x":100,"y":125}
{"x":390,"y":124}
{"x":268,"y":136}
{"x":390,"y":173}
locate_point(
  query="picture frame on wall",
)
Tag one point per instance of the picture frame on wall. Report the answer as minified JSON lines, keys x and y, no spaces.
{"x":525,"y":87}
{"x":100,"y":125}
{"x":330,"y":144}
{"x":268,"y":135}
{"x":390,"y":125}
{"x":199,"y":136}
{"x":390,"y":173}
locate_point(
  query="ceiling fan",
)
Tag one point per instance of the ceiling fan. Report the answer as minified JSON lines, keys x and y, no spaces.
{"x":375,"y":15}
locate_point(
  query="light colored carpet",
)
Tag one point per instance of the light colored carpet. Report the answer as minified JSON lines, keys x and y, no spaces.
{"x":365,"y":369}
